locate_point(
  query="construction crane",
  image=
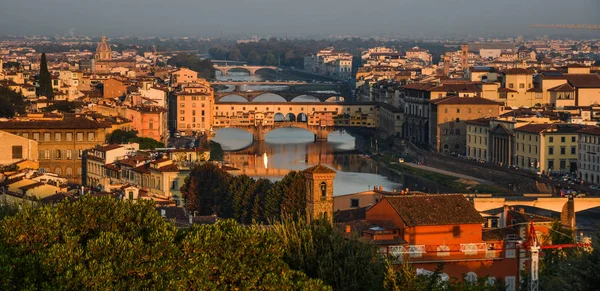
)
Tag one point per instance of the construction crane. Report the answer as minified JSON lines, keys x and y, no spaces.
{"x":532,"y":244}
{"x":568,"y":26}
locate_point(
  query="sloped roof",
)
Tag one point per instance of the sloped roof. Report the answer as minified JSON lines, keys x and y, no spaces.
{"x":562,"y":88}
{"x":319,"y":169}
{"x":464,"y":100}
{"x":533,"y":128}
{"x":438,"y":209}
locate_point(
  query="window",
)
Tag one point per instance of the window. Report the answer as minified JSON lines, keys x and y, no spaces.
{"x":551,"y":139}
{"x":471,"y":277}
{"x":46,"y":155}
{"x":79,"y":154}
{"x":573,"y":150}
{"x":80,"y":136}
{"x":36,"y":136}
{"x":562,"y":150}
{"x":573,"y":139}
{"x":354,"y":203}
{"x":181,"y":111}
{"x":91,"y":136}
{"x":57,"y":136}
{"x":69,"y":172}
{"x":456,"y":231}
{"x":69,"y":155}
{"x":521,"y":85}
{"x":511,"y":85}
{"x":69,"y":136}
{"x":562,"y":139}
{"x":58,"y":154}
{"x":47,"y":136}
{"x":457,"y":110}
{"x":550,"y":150}
{"x":563,"y":164}
{"x":510,"y":282}
{"x":323,"y":190}
{"x":17,"y":152}
{"x":457,"y":119}
{"x":26,"y":135}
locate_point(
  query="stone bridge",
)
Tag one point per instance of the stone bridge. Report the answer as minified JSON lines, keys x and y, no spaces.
{"x":259,"y":132}
{"x":287,"y":95}
{"x":566,"y":206}
{"x":250,"y":69}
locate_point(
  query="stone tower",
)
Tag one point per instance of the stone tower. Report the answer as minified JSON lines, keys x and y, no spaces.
{"x":464,"y":56}
{"x":319,"y":192}
{"x":103,"y":52}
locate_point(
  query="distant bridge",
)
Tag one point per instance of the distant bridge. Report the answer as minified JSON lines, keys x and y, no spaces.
{"x":250,"y":69}
{"x":259,"y":132}
{"x":234,"y":83}
{"x":287,"y":95}
{"x":320,"y":118}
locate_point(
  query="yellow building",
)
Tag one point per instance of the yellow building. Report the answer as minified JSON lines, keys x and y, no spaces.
{"x":15,"y":149}
{"x":195,"y":107}
{"x":547,"y":148}
{"x":477,"y":138}
{"x":519,"y":81}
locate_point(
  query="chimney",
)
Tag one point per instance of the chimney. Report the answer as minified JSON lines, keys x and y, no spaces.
{"x":348,"y":228}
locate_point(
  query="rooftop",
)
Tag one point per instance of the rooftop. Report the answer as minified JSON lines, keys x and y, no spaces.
{"x":439,"y":209}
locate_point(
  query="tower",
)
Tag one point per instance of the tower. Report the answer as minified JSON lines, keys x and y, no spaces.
{"x":319,"y":192}
{"x":103,"y":52}
{"x":464,"y":56}
{"x":446,"y":65}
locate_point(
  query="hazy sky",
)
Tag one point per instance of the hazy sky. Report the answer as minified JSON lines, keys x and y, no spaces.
{"x":294,"y":17}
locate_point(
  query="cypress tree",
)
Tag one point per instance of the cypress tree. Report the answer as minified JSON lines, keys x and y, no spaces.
{"x":45,"y":80}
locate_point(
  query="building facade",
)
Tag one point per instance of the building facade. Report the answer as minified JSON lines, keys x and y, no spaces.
{"x":588,"y":163}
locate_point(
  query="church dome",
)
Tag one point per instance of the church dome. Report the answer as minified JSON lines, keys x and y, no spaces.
{"x":103,"y":46}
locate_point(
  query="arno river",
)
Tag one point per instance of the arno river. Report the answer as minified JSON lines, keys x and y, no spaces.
{"x":288,"y":149}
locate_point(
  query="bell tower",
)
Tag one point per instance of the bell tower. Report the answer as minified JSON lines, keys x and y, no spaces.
{"x":319,"y":192}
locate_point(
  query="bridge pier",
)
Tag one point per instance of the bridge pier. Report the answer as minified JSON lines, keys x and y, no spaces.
{"x":258,"y":133}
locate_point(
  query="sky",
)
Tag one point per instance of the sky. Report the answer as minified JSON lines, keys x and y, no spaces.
{"x":296,"y":18}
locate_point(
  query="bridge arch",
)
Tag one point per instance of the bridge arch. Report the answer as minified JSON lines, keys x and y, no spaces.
{"x":265,"y":69}
{"x":233,"y":98}
{"x":278,"y":117}
{"x":305,"y":98}
{"x":290,"y":117}
{"x":266,"y":96}
{"x":302,"y":117}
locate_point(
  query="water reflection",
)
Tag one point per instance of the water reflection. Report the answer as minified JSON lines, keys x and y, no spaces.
{"x":293,"y":149}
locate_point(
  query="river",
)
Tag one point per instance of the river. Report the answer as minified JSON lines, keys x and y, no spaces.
{"x":292,"y":149}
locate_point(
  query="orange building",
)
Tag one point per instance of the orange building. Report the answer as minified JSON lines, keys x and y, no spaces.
{"x":431,"y":229}
{"x":114,"y":88}
{"x":149,"y":121}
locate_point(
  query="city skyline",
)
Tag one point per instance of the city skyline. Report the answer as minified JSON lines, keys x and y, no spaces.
{"x":238,"y":18}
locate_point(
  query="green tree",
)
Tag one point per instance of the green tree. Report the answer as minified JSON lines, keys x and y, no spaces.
{"x":45,"y":80}
{"x":321,"y":252}
{"x":206,"y":189}
{"x":234,"y":54}
{"x":64,"y":106}
{"x":205,"y":68}
{"x":292,"y":190}
{"x":11,"y":102}
{"x":120,"y":136}
{"x":254,"y":58}
{"x":216,"y":151}
{"x":240,"y":189}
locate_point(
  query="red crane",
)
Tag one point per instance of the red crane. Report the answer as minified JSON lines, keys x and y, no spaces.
{"x":532,"y":244}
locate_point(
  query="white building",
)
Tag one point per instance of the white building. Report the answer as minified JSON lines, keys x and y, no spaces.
{"x":588,"y":160}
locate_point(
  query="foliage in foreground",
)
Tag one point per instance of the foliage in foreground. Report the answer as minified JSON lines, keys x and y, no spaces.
{"x":11,"y":102}
{"x":104,"y":243}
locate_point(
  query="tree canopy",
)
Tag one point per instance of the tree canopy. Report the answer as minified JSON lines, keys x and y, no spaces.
{"x":204,"y":67}
{"x":120,"y":136}
{"x":110,"y":244}
{"x":211,"y":190}
{"x":45,"y":79}
{"x":11,"y":102}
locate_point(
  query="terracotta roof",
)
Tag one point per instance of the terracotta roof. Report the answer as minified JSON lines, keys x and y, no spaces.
{"x":533,"y":128}
{"x":350,"y":214}
{"x":68,"y":122}
{"x":168,"y":168}
{"x":583,"y":80}
{"x":438,"y":209}
{"x":536,"y":90}
{"x":107,"y":148}
{"x":55,"y":198}
{"x":506,"y":90}
{"x":319,"y":169}
{"x":518,"y":71}
{"x":464,"y":100}
{"x":594,"y":130}
{"x":562,"y":88}
{"x":449,"y":87}
{"x":479,"y":121}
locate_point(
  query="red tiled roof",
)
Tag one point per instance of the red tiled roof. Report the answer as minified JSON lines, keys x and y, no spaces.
{"x":464,"y":100}
{"x":436,"y":209}
{"x":583,"y":80}
{"x":593,"y":130}
{"x":562,"y":88}
{"x":319,"y":169}
{"x":533,"y":128}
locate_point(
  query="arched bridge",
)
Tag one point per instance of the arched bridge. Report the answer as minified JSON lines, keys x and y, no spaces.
{"x":250,"y":69}
{"x":287,"y":95}
{"x":259,"y":132}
